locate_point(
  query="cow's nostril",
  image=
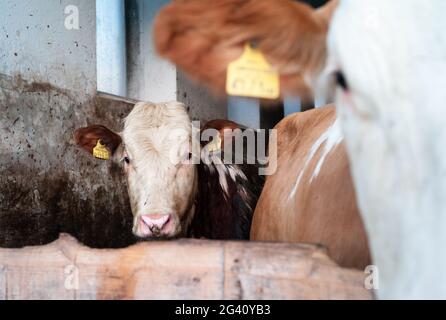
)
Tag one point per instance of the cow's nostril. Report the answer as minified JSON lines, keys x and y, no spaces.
{"x":156,"y":222}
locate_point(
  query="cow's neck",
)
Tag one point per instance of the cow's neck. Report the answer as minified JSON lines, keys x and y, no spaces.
{"x":225,"y":201}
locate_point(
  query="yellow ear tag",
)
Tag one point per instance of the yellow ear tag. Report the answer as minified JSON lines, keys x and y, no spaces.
{"x":101,"y":152}
{"x":252,"y":76}
{"x":214,"y":145}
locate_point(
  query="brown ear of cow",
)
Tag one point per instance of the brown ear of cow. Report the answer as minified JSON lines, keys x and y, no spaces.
{"x":221,"y":125}
{"x":291,"y":35}
{"x":87,"y":138}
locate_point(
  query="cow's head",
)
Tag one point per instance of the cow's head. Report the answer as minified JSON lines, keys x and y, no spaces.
{"x":291,"y":35}
{"x":154,"y":149}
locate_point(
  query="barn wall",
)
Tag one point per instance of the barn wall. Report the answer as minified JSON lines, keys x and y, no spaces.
{"x":47,"y":89}
{"x":151,"y":78}
{"x":35,"y":43}
{"x":201,"y":103}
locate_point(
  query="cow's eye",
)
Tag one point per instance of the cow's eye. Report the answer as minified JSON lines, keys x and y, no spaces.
{"x":126,"y":160}
{"x":187,"y":156}
{"x":341,"y":80}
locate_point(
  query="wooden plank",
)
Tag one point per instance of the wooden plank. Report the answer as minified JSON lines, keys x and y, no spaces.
{"x":154,"y":270}
{"x":182,"y":269}
{"x":3,"y":283}
{"x":288,"y":271}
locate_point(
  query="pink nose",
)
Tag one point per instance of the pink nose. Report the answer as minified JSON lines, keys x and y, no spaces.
{"x":155,"y":224}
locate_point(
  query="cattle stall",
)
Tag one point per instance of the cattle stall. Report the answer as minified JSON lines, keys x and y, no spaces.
{"x":65,"y":218}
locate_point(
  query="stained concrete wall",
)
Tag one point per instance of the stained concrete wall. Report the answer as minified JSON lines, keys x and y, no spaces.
{"x":35,"y":43}
{"x":201,"y":103}
{"x":47,"y":90}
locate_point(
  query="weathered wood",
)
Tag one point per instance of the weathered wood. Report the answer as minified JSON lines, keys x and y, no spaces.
{"x":183,"y":269}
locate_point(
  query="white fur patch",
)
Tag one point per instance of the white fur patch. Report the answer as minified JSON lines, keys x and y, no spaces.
{"x":331,"y":137}
{"x":225,"y":171}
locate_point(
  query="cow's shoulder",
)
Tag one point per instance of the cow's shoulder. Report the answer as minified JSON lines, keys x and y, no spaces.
{"x":298,"y":131}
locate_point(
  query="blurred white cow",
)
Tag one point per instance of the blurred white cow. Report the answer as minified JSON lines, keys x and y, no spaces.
{"x":386,"y":63}
{"x":391,"y":56}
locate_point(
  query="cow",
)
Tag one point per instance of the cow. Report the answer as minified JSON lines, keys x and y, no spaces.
{"x":323,"y":211}
{"x":310,"y":198}
{"x":384,"y":62}
{"x":170,"y":194}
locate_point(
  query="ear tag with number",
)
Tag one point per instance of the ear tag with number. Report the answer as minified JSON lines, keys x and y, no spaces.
{"x":101,"y":152}
{"x":252,"y":76}
{"x":215,"y":144}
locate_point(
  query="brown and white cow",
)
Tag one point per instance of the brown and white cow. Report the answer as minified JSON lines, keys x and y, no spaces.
{"x":310,"y":198}
{"x":294,"y":206}
{"x":170,"y":195}
{"x":386,"y":62}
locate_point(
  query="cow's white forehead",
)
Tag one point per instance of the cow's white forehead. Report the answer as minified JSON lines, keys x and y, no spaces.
{"x":156,"y":129}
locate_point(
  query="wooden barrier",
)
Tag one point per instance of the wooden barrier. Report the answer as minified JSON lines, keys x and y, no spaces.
{"x":183,"y":269}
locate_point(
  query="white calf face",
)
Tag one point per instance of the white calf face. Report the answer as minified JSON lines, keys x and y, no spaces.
{"x":161,"y":182}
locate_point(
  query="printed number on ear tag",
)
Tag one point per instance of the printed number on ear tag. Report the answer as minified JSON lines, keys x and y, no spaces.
{"x":252,"y":76}
{"x":101,"y":152}
{"x":214,"y":145}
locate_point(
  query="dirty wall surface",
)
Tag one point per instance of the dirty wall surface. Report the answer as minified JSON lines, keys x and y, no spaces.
{"x":48,"y":185}
{"x":47,"y":90}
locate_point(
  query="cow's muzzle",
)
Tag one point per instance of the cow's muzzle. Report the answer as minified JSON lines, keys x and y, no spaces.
{"x":156,"y":225}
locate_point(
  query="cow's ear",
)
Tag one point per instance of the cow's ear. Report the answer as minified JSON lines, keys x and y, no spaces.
{"x":291,"y":35}
{"x":224,"y":128}
{"x":95,"y":138}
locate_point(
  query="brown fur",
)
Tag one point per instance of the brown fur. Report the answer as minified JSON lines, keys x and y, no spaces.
{"x":323,"y":211}
{"x":88,"y":137}
{"x":203,"y":36}
{"x":221,"y":125}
